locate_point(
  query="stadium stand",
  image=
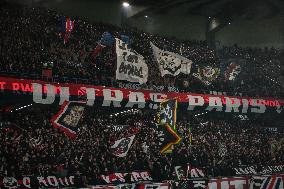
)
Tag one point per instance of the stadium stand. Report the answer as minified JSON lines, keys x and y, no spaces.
{"x":32,"y":42}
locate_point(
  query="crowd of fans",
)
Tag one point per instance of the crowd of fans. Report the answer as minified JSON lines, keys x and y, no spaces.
{"x":31,"y":41}
{"x":30,"y":37}
{"x":30,"y":145}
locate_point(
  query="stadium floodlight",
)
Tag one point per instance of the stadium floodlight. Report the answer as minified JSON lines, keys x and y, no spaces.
{"x":125,"y":4}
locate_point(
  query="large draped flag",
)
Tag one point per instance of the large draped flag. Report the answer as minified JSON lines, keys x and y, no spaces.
{"x":171,"y":63}
{"x":166,"y":129}
{"x":68,"y":117}
{"x":166,"y":137}
{"x":121,"y":147}
{"x":207,"y":74}
{"x":131,"y":66}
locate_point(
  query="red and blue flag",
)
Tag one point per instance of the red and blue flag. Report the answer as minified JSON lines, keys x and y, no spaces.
{"x":67,"y":26}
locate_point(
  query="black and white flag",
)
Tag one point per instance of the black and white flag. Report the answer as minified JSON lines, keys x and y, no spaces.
{"x":131,"y":66}
{"x":122,"y":146}
{"x":191,"y":184}
{"x":207,"y":74}
{"x":171,"y":63}
{"x":117,"y":128}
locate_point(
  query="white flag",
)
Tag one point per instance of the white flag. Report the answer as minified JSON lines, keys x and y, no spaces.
{"x":171,"y":63}
{"x":122,"y":146}
{"x":131,"y":66}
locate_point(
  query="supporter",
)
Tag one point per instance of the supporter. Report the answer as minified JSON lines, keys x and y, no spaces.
{"x":31,"y":37}
{"x":31,"y":146}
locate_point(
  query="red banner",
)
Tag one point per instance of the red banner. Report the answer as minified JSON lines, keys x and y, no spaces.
{"x":140,"y":98}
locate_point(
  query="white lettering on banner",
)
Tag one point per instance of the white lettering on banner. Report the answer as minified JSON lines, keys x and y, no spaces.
{"x":106,"y":178}
{"x":135,"y":176}
{"x":64,"y":181}
{"x":91,"y":96}
{"x":272,"y":169}
{"x":46,"y":93}
{"x":195,"y":101}
{"x":120,"y":177}
{"x":38,"y":94}
{"x":116,"y":98}
{"x":145,"y":176}
{"x":251,"y":170}
{"x":245,"y":171}
{"x":42,"y":181}
{"x":64,"y":94}
{"x":49,"y":181}
{"x":199,"y":184}
{"x":136,"y":98}
{"x":261,"y":107}
{"x":52,"y":181}
{"x":245,"y":104}
{"x":140,"y":176}
{"x":232,"y":104}
{"x":238,"y":184}
{"x":228,"y":183}
{"x":157,"y":98}
{"x":10,"y":182}
{"x":215,"y":103}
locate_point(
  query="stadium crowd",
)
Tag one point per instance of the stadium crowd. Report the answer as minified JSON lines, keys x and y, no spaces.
{"x":31,"y":38}
{"x":30,"y":145}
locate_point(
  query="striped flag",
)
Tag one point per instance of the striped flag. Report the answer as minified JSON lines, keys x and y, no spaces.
{"x":67,"y":26}
{"x":272,"y":182}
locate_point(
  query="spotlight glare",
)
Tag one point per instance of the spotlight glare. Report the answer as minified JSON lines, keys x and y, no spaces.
{"x":125,"y":4}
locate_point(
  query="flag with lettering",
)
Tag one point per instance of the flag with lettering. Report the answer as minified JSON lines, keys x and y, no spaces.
{"x":171,"y":63}
{"x":131,"y":66}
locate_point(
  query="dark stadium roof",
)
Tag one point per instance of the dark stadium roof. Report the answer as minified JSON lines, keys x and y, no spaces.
{"x":215,"y":8}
